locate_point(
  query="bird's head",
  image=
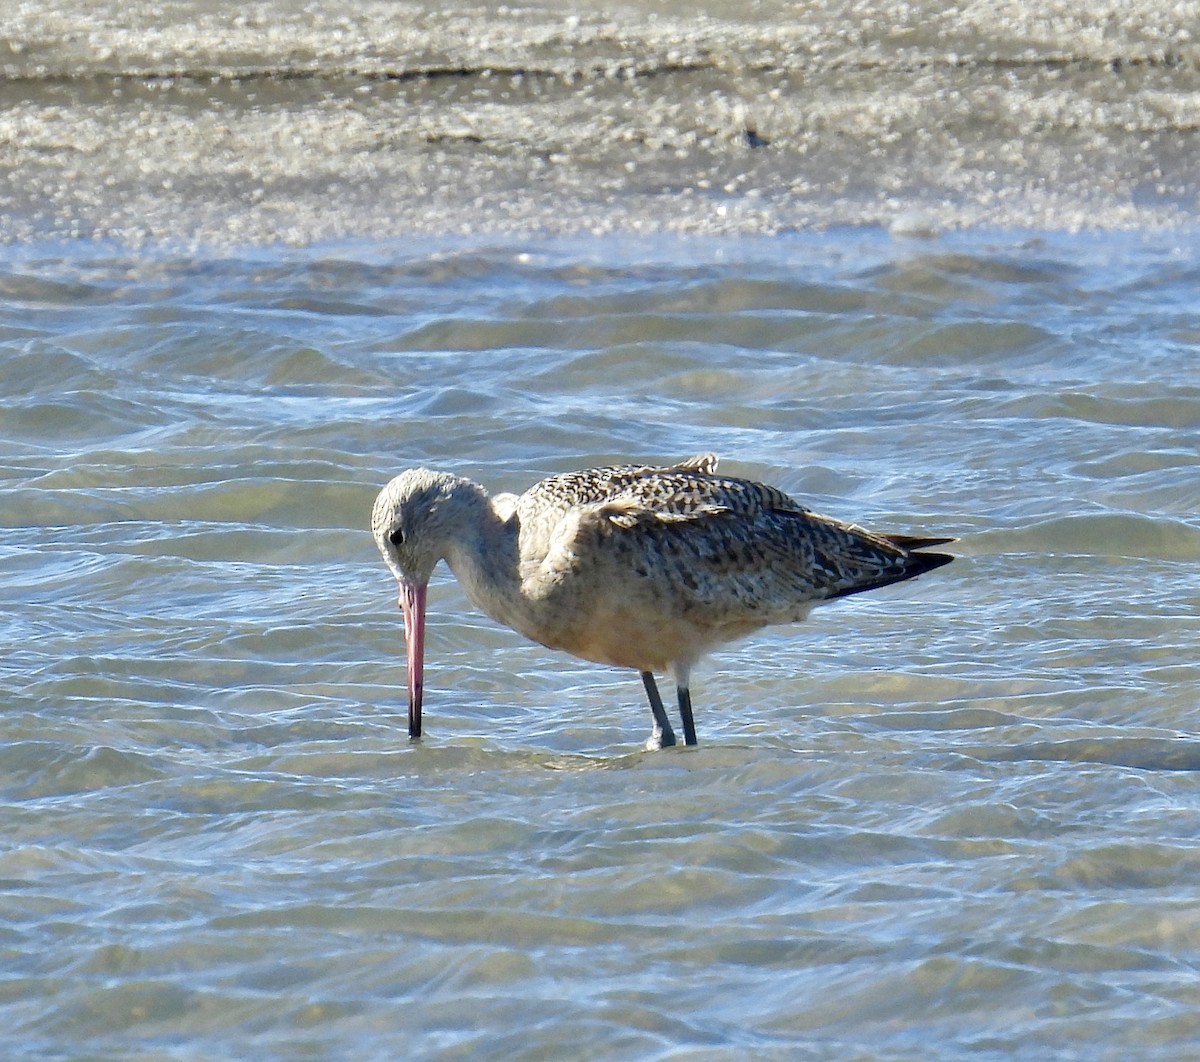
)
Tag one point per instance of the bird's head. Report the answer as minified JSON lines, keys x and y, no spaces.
{"x":412,"y":522}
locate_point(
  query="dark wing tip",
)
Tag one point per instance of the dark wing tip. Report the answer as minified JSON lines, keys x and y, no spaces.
{"x":919,"y":563}
{"x":914,"y":564}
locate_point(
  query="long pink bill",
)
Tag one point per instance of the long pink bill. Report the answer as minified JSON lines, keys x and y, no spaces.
{"x":412,"y":600}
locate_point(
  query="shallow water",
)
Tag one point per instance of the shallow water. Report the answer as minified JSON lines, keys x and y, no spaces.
{"x":950,"y":819}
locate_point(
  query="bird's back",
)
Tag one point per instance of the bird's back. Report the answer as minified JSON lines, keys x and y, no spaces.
{"x":687,"y":488}
{"x":683,"y":549}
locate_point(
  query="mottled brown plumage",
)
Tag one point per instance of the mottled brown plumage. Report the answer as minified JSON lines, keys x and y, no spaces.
{"x":632,"y":565}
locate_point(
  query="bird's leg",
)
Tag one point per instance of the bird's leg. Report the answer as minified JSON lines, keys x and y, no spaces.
{"x":662,"y":734}
{"x":685,"y":714}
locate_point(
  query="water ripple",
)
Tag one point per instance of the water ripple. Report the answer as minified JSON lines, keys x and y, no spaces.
{"x":955,"y":819}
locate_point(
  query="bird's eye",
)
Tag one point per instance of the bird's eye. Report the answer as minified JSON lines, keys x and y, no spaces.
{"x":396,"y":537}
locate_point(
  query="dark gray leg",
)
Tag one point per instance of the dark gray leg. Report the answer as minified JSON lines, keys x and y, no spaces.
{"x":685,"y":713}
{"x":662,"y":734}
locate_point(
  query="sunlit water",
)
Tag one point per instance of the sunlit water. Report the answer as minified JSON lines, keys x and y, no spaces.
{"x":306,"y":120}
{"x":955,"y":818}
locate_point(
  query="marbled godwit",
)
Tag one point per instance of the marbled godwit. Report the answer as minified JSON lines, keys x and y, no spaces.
{"x":636,"y":566}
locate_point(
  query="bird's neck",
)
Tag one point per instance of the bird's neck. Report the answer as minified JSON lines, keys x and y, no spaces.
{"x":483,"y":554}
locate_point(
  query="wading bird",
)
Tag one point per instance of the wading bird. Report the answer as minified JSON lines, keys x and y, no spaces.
{"x":633,"y":565}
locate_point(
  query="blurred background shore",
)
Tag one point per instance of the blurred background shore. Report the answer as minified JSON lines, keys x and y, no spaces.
{"x":199,"y":121}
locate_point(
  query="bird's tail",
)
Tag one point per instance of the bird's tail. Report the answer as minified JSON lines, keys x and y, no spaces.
{"x":908,"y":542}
{"x":912,"y":563}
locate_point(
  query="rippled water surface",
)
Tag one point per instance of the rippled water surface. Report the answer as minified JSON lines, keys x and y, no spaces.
{"x":955,"y":818}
